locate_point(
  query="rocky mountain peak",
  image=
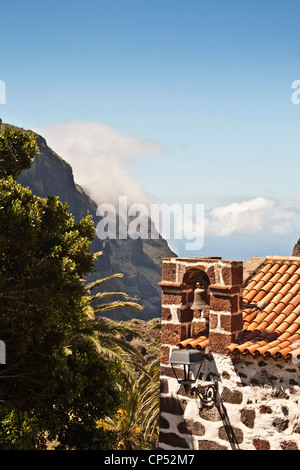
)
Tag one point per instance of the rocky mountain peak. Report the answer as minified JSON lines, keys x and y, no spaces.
{"x":138,"y":260}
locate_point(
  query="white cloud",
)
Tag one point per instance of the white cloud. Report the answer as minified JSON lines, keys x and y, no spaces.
{"x":100,"y":157}
{"x":251,"y":217}
{"x":283,"y":229}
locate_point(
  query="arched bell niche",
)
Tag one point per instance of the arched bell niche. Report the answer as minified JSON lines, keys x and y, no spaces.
{"x":190,"y":279}
{"x":223,"y":281}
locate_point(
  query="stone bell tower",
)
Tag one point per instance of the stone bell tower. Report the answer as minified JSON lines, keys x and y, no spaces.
{"x":219,"y":325}
{"x":223,"y":280}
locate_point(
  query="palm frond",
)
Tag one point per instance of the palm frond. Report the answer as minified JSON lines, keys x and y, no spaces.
{"x":121,"y":345}
{"x":117,"y":304}
{"x":116,"y":356}
{"x":97,"y":283}
{"x":96,"y":255}
{"x":102,"y":295}
{"x":108,"y":326}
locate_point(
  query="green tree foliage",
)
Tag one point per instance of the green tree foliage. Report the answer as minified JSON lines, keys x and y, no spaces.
{"x":17,"y":150}
{"x":47,"y":390}
{"x":71,"y":377}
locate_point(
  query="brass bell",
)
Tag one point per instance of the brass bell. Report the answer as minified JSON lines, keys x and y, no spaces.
{"x":201,"y":301}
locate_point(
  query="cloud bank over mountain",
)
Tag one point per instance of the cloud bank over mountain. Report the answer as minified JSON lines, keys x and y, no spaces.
{"x":101,"y":157}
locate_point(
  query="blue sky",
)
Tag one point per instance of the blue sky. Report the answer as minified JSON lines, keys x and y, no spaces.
{"x":199,"y":90}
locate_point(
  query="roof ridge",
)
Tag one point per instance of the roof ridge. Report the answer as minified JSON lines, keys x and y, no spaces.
{"x":283,"y":258}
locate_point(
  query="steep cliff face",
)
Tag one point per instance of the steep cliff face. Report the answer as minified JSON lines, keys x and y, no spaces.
{"x":139,"y":260}
{"x":51,"y":175}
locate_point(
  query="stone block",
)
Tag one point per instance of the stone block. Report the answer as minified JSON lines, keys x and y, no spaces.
{"x":164,"y":354}
{"x":172,"y":334}
{"x":173,"y":405}
{"x":233,"y":275}
{"x":261,"y":444}
{"x":163,"y":423}
{"x":211,"y":274}
{"x":219,"y":341}
{"x":169,"y":298}
{"x":185,"y":315}
{"x":238,"y":434}
{"x":189,"y":426}
{"x":224,"y":303}
{"x":213,"y":320}
{"x":169,"y":272}
{"x":289,"y":445}
{"x":210,"y":445}
{"x":166,"y":314}
{"x":173,"y":440}
{"x":248,"y":417}
{"x":232,"y":396}
{"x":232,"y":323}
{"x":164,"y":386}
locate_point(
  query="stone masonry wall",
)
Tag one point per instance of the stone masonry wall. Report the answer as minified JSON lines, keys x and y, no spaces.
{"x":258,"y":407}
{"x":258,"y":400}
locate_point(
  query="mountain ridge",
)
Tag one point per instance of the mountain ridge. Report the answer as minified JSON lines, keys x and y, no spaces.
{"x":138,"y":260}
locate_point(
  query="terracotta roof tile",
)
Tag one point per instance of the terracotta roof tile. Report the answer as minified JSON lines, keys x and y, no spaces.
{"x":195,"y":343}
{"x":273,"y":331}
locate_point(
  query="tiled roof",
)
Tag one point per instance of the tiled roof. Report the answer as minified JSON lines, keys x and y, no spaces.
{"x":272,"y":329}
{"x":195,"y":343}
